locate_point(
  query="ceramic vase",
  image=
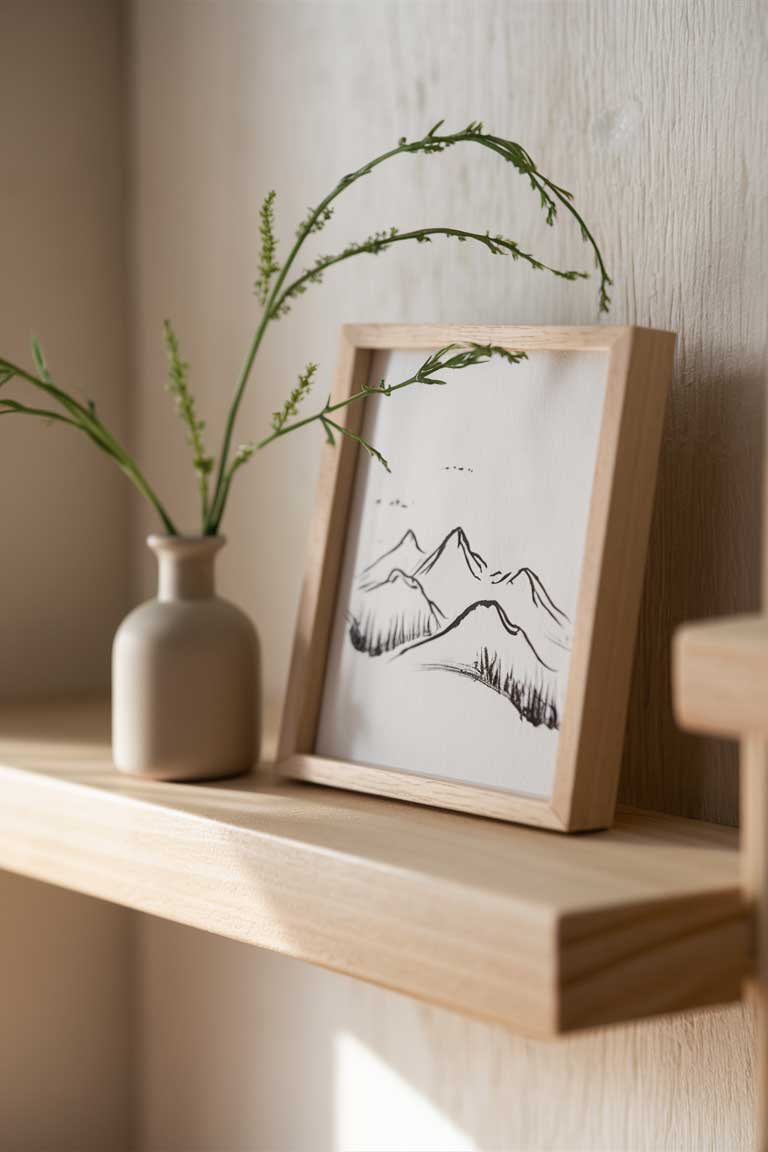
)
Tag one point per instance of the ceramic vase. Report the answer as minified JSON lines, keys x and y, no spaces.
{"x":185,"y":674}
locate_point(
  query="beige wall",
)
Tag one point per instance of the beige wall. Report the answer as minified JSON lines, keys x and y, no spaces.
{"x":64,"y":577}
{"x":66,"y":1021}
{"x":654,"y":114}
{"x":64,"y":959}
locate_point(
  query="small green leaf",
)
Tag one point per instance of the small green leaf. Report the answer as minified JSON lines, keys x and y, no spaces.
{"x":39,"y":358}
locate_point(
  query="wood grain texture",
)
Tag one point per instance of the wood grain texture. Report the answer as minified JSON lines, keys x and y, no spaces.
{"x":637,"y":368}
{"x":421,"y":789}
{"x":720,"y":676}
{"x":323,"y":567}
{"x":545,"y":934}
{"x":531,"y":337}
{"x":721,"y":686}
{"x":754,"y":870}
{"x":639,"y":373}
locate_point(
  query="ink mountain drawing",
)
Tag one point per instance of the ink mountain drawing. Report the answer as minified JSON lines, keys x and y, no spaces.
{"x":444,"y":612}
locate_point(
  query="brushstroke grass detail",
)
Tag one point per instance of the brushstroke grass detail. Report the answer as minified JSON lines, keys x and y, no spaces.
{"x":367,"y":636}
{"x":533,"y":700}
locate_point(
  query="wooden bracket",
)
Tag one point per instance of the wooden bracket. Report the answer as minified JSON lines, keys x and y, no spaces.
{"x":720,"y":672}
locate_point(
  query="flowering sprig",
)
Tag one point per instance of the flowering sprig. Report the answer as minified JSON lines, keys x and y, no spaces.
{"x":380,"y":241}
{"x":178,"y":386}
{"x":268,"y":265}
{"x":291,"y":406}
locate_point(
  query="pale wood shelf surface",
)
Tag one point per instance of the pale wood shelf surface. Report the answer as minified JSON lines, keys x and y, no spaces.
{"x":542,"y":932}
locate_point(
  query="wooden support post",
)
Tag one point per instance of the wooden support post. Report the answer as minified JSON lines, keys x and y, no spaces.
{"x":754,"y":855}
{"x":721,"y":687}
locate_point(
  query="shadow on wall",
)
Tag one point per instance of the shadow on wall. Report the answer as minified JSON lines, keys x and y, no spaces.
{"x":704,"y":559}
{"x":272,"y":1054}
{"x":65,"y":1027}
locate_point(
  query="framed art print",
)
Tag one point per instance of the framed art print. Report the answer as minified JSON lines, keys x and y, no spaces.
{"x":466,"y":631}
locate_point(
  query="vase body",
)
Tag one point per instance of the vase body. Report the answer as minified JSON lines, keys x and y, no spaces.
{"x":185,"y":674}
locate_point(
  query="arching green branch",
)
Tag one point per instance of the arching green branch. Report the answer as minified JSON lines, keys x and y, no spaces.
{"x":381,"y":241}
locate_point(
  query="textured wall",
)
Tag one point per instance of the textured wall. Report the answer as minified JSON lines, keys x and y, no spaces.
{"x":63,"y":579}
{"x":64,"y":959}
{"x":655,"y":115}
{"x":65,"y":1021}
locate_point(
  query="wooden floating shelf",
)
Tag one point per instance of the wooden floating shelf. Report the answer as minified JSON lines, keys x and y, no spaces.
{"x":542,"y":932}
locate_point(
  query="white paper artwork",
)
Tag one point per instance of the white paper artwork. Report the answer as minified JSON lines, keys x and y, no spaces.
{"x":454,"y":620}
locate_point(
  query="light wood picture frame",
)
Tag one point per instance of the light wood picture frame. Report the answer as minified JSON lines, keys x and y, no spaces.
{"x":619,"y":482}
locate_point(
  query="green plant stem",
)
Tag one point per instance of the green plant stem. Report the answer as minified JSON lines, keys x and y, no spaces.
{"x":538,"y":179}
{"x":84,"y":419}
{"x":219,"y":499}
{"x":14,"y":408}
{"x":605,"y":279}
{"x":493,"y":243}
{"x":216,"y":510}
{"x":178,"y":386}
{"x":322,"y":418}
{"x":329,"y":408}
{"x":440,"y":361}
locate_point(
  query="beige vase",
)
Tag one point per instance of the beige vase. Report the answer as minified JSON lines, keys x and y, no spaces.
{"x":185,"y":674}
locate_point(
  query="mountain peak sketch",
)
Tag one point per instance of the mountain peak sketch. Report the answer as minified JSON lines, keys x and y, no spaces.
{"x":537,"y":590}
{"x":406,"y":555}
{"x":396,"y":611}
{"x":482,"y":644}
{"x":455,"y":545}
{"x":484,"y":611}
{"x":450,"y":575}
{"x":444,"y":612}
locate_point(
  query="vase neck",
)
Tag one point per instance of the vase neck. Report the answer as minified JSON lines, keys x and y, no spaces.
{"x":186,"y":566}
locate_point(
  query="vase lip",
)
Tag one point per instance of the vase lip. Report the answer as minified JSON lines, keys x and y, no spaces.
{"x":183,"y":545}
